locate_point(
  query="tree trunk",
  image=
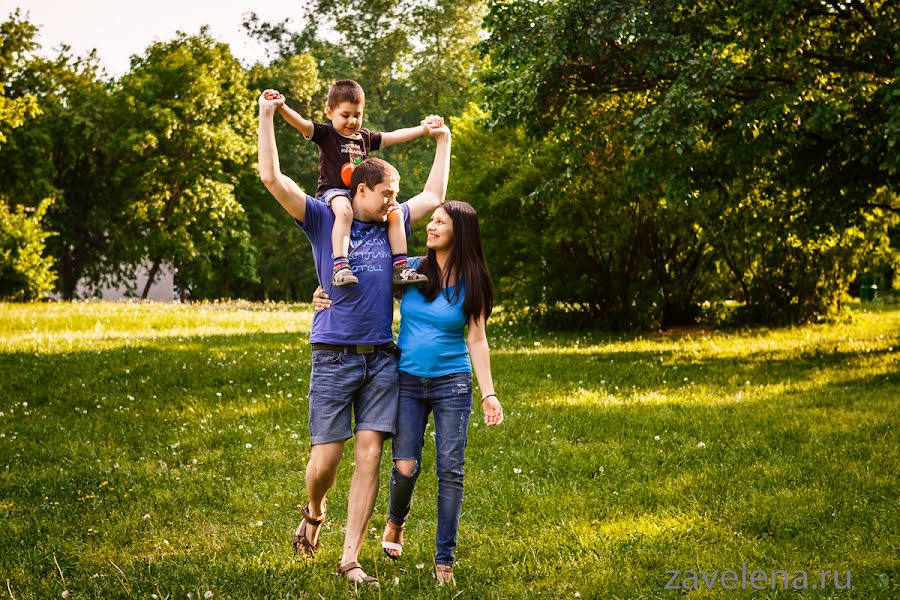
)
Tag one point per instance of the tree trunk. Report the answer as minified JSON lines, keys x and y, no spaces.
{"x":154,"y":271}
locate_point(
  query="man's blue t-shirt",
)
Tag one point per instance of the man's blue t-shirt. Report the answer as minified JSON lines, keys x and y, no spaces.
{"x":360,"y":314}
{"x":432,"y":334}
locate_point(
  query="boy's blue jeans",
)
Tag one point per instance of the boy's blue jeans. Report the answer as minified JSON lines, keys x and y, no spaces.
{"x":450,"y":399}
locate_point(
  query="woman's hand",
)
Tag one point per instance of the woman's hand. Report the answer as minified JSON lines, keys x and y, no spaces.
{"x":493,"y":412}
{"x":320,"y":299}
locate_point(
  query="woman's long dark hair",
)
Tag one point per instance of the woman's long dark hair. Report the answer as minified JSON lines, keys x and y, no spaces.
{"x":466,"y":261}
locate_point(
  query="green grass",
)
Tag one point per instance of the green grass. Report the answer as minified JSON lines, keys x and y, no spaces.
{"x":159,"y":449}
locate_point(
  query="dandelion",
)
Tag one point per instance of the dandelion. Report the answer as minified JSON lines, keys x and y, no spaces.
{"x":146,"y":516}
{"x":248,"y":445}
{"x":396,"y":581}
{"x":219,"y":394}
{"x":65,"y":594}
{"x":294,"y":436}
{"x":517,"y":471}
{"x":656,"y":437}
{"x":747,"y":382}
{"x":208,"y":594}
{"x":701,"y":445}
{"x":420,"y":566}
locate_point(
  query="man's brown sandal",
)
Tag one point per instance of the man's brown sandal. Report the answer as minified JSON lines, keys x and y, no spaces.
{"x":444,"y":575}
{"x":342,"y":570}
{"x":302,"y":544}
{"x":395,"y":543}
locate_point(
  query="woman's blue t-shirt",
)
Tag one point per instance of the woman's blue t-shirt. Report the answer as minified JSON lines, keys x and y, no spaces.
{"x":432,"y":334}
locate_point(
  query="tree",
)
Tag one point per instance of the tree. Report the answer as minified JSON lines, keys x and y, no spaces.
{"x":16,"y":41}
{"x":284,"y":269}
{"x":761,"y":131}
{"x":182,"y":157}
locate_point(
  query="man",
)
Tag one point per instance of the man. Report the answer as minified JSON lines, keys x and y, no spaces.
{"x":354,"y":357}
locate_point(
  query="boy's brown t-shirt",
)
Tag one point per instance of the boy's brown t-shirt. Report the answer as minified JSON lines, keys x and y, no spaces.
{"x":339,"y":155}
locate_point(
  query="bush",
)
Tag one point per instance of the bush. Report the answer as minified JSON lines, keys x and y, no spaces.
{"x":25,"y":273}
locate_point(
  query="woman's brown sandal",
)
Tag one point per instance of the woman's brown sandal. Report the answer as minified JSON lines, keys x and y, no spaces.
{"x":395,"y":543}
{"x":342,"y":570}
{"x":302,"y":544}
{"x":444,"y":575}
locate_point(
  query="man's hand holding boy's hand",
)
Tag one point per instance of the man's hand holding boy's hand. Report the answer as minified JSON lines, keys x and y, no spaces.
{"x":432,"y":122}
{"x":439,"y":132}
{"x":271,"y":99}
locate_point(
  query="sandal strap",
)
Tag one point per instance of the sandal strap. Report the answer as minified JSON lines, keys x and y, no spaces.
{"x":395,"y":526}
{"x":309,"y":518}
{"x":343,"y":569}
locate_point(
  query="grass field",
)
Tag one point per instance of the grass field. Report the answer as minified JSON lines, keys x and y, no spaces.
{"x":159,"y":450}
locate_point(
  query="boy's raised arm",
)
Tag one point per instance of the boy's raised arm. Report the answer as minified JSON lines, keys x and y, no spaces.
{"x":435,"y":191}
{"x":398,"y":136}
{"x":302,"y":125}
{"x":288,"y":193}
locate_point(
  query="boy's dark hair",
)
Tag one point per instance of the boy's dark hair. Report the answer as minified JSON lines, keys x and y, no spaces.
{"x":345,"y":90}
{"x":371,"y":172}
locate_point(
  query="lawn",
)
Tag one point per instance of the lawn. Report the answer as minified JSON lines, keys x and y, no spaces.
{"x":159,"y":450}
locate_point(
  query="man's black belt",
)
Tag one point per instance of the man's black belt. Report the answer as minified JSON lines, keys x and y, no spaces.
{"x":354,"y":349}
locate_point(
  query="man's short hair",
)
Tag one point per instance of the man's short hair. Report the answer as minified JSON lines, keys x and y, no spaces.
{"x":345,"y":90}
{"x":371,"y":172}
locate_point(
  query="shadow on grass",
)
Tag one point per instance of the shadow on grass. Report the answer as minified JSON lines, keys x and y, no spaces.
{"x":595,"y":503}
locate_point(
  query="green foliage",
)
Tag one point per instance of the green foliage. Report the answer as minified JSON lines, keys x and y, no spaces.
{"x":182,"y":157}
{"x":25,"y":273}
{"x":66,"y":152}
{"x":285,"y":268}
{"x":16,"y":41}
{"x":749,"y":139}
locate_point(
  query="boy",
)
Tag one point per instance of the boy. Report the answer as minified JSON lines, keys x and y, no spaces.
{"x":342,"y":145}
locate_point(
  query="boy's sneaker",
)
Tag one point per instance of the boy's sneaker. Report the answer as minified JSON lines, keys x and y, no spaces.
{"x":408,"y":276}
{"x":344,"y":277}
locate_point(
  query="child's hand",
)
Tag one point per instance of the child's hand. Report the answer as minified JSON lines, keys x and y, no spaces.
{"x":433,"y":122}
{"x":390,"y":206}
{"x":438,"y":132}
{"x":271,"y":98}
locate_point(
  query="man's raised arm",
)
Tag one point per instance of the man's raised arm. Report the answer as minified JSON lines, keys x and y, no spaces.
{"x":288,"y":193}
{"x":435,"y":191}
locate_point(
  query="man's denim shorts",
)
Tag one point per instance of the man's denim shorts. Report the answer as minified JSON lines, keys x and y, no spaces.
{"x":366,"y":385}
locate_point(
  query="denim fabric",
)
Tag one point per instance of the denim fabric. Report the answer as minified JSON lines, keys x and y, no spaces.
{"x":328,"y":195}
{"x":365,"y":383}
{"x":450,"y":399}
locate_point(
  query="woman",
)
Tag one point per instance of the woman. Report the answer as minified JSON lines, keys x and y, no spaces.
{"x":436,"y":373}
